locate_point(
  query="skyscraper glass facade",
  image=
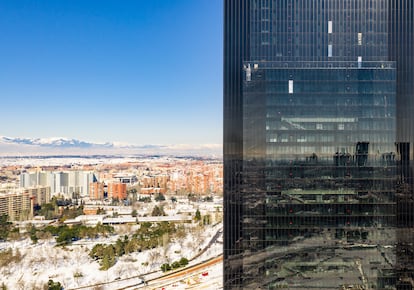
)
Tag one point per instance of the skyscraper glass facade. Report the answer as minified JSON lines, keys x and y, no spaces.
{"x":317,"y":144}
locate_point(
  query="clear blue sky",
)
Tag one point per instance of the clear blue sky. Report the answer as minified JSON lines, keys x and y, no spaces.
{"x":139,"y":71}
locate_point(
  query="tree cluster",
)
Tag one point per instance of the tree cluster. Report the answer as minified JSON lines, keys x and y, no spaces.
{"x":71,"y":212}
{"x":175,"y":265}
{"x":148,"y":236}
{"x":105,"y":254}
{"x":52,"y":285}
{"x":5,"y":227}
{"x":65,"y":235}
{"x":160,"y":197}
{"x":50,"y":210}
{"x":158,"y":211}
{"x":208,"y":198}
{"x":146,"y":199}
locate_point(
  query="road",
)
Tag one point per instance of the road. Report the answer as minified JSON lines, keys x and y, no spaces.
{"x":189,"y":273}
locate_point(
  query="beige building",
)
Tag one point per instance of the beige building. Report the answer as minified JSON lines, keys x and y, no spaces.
{"x":40,"y":194}
{"x":18,"y":203}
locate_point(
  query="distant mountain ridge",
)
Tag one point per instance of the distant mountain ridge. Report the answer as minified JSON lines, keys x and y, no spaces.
{"x":50,"y":142}
{"x":62,"y":144}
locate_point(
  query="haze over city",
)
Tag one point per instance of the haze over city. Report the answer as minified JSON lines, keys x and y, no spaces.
{"x":144,"y":72}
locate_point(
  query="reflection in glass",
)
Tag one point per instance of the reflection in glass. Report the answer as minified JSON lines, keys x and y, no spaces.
{"x":318,"y":144}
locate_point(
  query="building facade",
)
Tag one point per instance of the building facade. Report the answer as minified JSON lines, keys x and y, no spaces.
{"x":18,"y":203}
{"x":18,"y":206}
{"x":70,"y":184}
{"x":318,"y":134}
{"x":40,"y":194}
{"x":96,"y":191}
{"x":117,"y":190}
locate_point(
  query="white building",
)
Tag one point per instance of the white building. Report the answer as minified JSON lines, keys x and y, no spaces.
{"x":70,"y":184}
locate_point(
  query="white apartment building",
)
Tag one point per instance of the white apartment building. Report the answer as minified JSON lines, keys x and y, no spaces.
{"x":70,"y":184}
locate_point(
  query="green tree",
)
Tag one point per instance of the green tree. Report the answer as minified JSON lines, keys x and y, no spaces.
{"x":108,"y":259}
{"x":33,"y":235}
{"x":208,"y":198}
{"x":144,"y":199}
{"x":53,"y":230}
{"x":66,"y":235}
{"x":5,"y":227}
{"x":165,"y":267}
{"x":51,"y":285}
{"x":71,"y":212}
{"x":104,"y":229}
{"x":97,"y":252}
{"x":158,"y":211}
{"x":197,"y":216}
{"x":175,"y":265}
{"x":132,"y":246}
{"x":107,"y":254}
{"x":134,"y":213}
{"x":144,"y":227}
{"x":49,"y":210}
{"x":183,"y":262}
{"x":120,"y":246}
{"x":160,"y":197}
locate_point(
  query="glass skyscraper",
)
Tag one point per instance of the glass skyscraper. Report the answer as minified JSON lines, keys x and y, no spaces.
{"x":318,"y":144}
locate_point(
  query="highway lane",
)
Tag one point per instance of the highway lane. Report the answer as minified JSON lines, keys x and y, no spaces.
{"x":179,"y":275}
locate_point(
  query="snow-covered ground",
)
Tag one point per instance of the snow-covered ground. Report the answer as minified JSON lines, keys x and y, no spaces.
{"x":72,"y":266}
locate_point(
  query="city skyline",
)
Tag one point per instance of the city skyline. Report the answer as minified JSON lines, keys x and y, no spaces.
{"x":146,"y":72}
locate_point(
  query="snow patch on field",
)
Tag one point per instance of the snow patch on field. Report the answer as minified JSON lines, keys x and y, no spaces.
{"x":72,"y":266}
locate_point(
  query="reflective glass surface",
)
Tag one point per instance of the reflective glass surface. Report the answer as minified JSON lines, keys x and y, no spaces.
{"x":318,"y":134}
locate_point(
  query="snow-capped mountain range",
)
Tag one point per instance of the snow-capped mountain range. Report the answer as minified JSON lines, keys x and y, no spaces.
{"x":62,"y":145}
{"x":51,"y":142}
